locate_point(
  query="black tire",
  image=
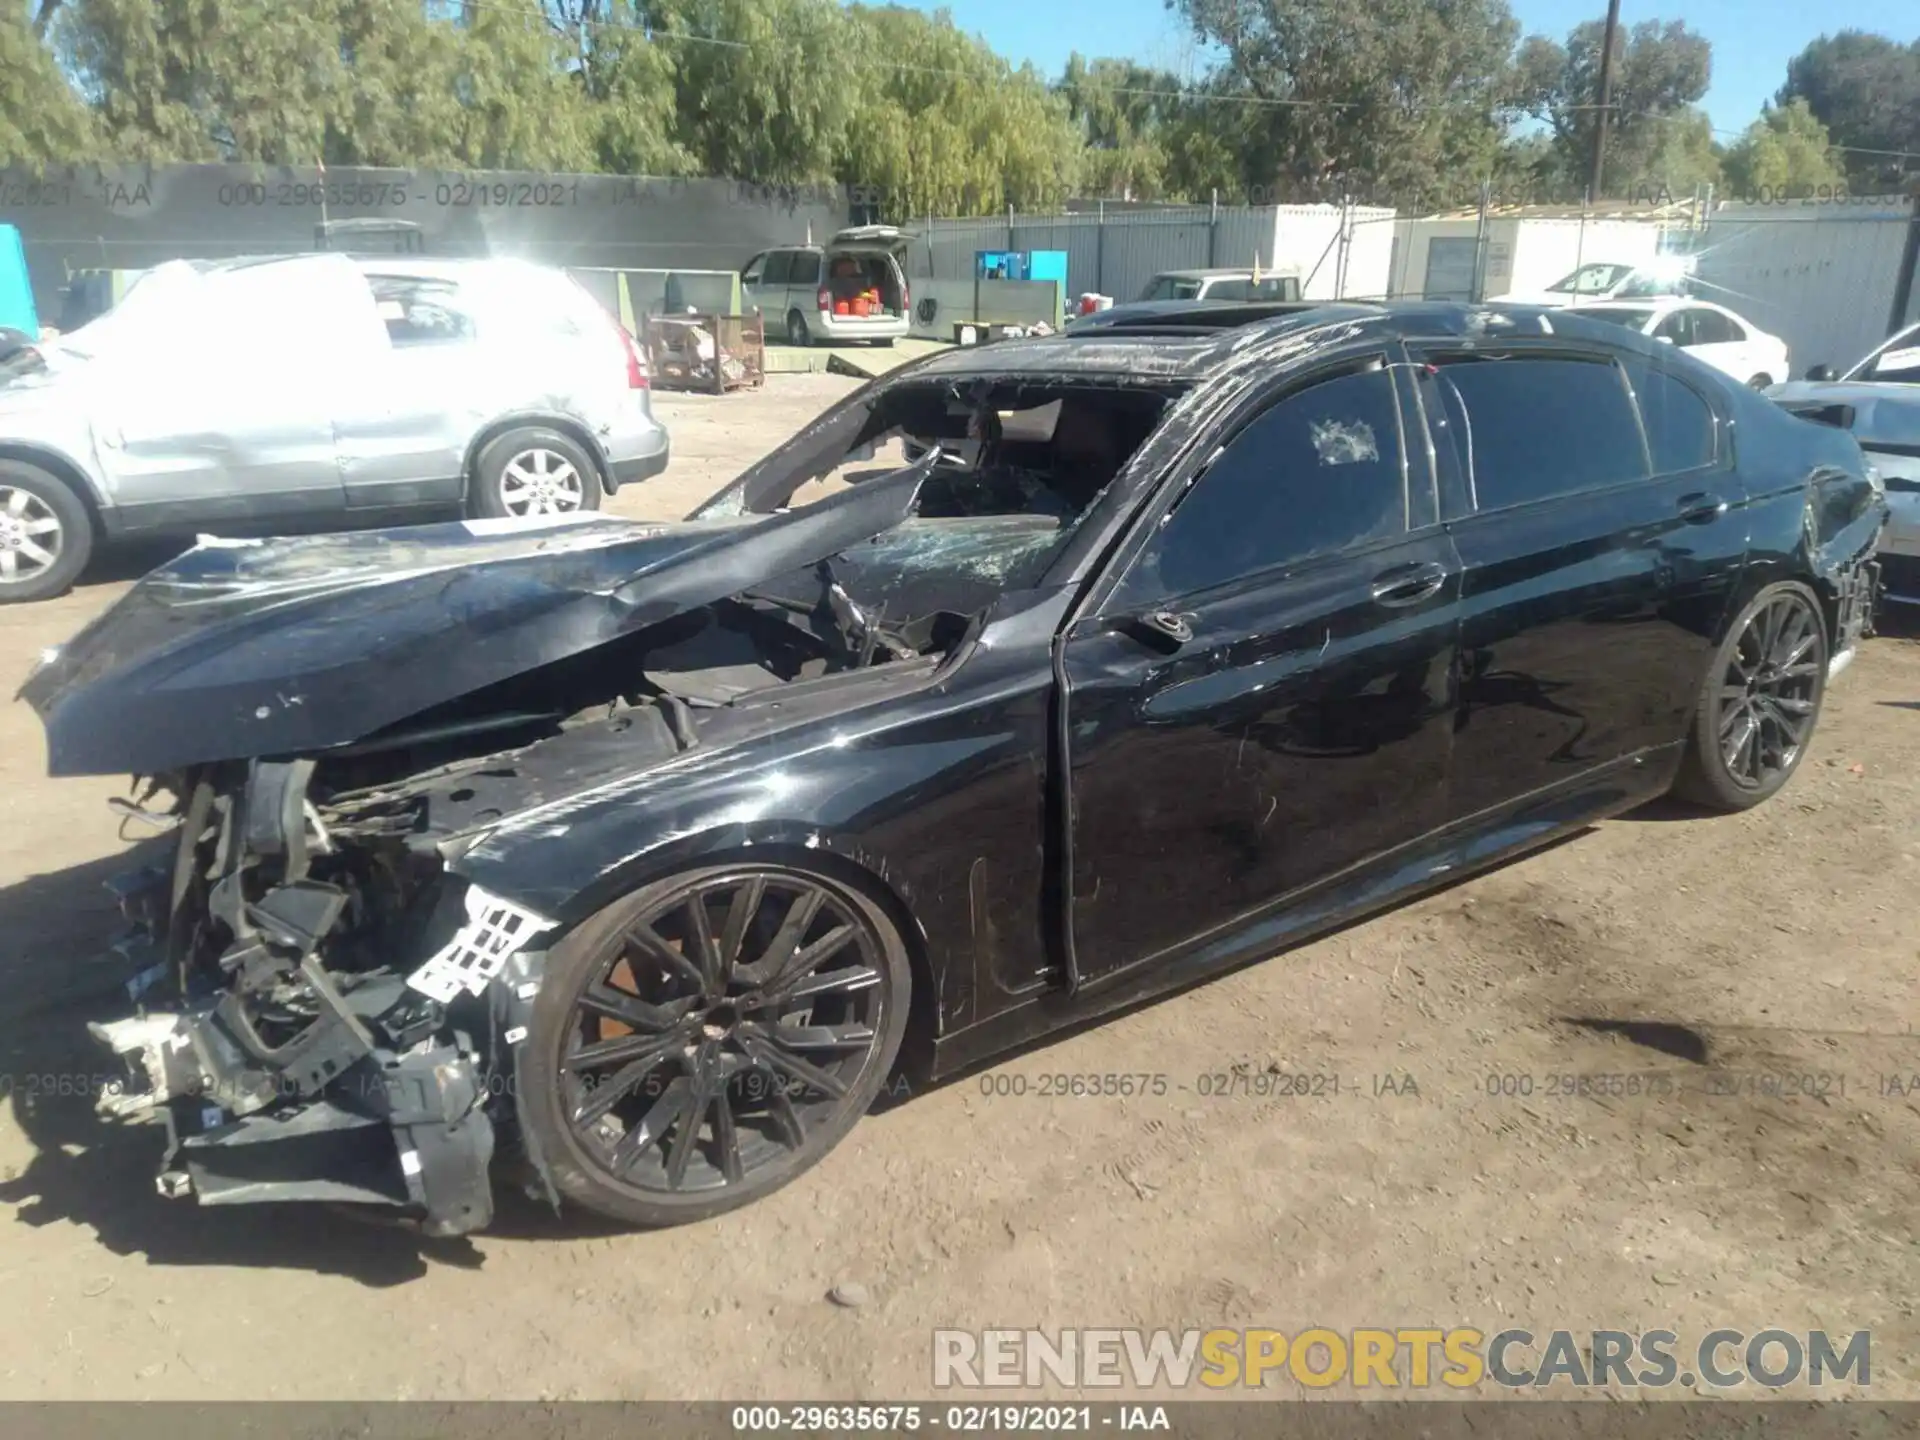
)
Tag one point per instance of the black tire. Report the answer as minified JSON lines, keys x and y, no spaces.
{"x":509,"y":466}
{"x":797,"y":332}
{"x":1760,"y":382}
{"x":611,"y":1123}
{"x":40,"y":515}
{"x":1780,"y":633}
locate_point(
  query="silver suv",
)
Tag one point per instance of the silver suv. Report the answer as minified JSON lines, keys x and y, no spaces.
{"x":852,"y":288}
{"x":315,"y":392}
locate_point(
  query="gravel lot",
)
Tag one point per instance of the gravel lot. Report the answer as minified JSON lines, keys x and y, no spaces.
{"x":1765,"y":945}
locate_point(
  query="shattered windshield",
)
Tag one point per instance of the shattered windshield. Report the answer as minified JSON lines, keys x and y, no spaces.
{"x":1030,"y":456}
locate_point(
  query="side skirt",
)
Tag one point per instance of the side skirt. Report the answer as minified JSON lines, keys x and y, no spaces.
{"x":1465,"y":848}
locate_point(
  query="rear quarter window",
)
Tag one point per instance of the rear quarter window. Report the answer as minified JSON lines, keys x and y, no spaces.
{"x":1537,"y":428}
{"x":1681,"y":433}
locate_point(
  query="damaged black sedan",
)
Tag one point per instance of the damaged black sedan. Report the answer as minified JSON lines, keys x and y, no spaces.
{"x":636,"y":858}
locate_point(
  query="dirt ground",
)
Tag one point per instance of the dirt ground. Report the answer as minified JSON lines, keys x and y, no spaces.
{"x":1740,"y":949}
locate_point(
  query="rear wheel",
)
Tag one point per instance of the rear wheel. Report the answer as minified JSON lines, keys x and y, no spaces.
{"x":797,"y":332}
{"x":1760,"y":702}
{"x":46,"y":534}
{"x":1761,"y":382}
{"x":534,"y":471}
{"x":703,"y":1041}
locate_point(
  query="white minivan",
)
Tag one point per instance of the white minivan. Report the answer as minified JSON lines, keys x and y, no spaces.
{"x":852,"y":288}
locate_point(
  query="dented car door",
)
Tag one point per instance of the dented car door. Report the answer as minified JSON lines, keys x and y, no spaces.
{"x":1263,"y":700}
{"x":218,"y":407}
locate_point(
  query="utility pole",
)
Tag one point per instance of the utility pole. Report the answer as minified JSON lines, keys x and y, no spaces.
{"x":1606,"y":102}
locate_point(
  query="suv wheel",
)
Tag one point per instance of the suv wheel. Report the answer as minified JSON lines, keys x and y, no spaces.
{"x":797,"y":332}
{"x":532,"y":472}
{"x":46,"y":534}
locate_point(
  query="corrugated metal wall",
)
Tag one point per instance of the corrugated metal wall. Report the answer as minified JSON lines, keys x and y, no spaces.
{"x":1820,"y":277}
{"x":1117,"y":252}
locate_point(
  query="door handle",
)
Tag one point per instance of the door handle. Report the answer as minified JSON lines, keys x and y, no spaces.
{"x":1698,"y":509}
{"x":1408,"y":584}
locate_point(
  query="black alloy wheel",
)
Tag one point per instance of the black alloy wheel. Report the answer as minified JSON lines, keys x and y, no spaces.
{"x":704,"y":1041}
{"x":1760,"y":703}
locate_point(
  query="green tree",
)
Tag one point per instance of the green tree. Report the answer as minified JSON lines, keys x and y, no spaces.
{"x":763,"y":89}
{"x":42,"y":120}
{"x":628,"y":80}
{"x":1123,"y":111}
{"x":1785,"y":151}
{"x":519,"y":106}
{"x":205,"y":79}
{"x":1866,"y":90}
{"x":1396,"y":99}
{"x":394,"y":103}
{"x":1659,"y":70}
{"x":943,"y":125}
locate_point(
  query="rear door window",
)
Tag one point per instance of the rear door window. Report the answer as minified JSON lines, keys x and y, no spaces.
{"x":1533,"y":428}
{"x":1710,"y":327}
{"x":806,"y":268}
{"x":422,"y":312}
{"x":1679,"y":328}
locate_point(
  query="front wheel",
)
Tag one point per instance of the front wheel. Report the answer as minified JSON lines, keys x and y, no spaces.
{"x":1760,"y":701}
{"x":703,"y":1041}
{"x":532,"y":472}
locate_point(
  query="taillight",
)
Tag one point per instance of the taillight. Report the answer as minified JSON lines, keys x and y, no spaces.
{"x":636,"y":363}
{"x":825,"y":297}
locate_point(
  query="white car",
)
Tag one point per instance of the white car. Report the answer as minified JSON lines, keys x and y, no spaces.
{"x":1710,"y":333}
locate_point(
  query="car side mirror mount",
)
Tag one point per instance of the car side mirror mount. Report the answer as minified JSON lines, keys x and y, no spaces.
{"x":1819,"y":372}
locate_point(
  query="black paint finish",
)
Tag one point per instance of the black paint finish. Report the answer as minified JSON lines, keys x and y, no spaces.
{"x":1104,"y":794}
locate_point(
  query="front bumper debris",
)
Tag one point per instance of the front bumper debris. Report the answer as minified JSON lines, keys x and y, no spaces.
{"x":281,"y":1075}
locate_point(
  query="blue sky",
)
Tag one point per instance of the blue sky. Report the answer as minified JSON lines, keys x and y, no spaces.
{"x":1752,"y":39}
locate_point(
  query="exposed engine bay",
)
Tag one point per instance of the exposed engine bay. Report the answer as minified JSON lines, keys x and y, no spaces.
{"x":327,"y":1010}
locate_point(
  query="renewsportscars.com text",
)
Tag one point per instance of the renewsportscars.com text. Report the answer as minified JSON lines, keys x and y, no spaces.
{"x":1399,"y":1358}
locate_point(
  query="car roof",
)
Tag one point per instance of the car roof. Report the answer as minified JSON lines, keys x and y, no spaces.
{"x":1185,"y":345}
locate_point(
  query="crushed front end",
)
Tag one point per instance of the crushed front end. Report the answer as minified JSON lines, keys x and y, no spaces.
{"x":315,"y":1015}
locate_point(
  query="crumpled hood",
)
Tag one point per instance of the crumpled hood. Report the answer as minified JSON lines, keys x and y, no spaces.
{"x":258,"y":648}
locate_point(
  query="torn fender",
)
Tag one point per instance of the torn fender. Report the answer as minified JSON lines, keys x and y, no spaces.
{"x":241,"y":649}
